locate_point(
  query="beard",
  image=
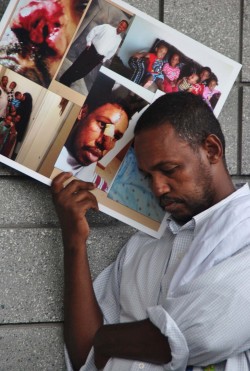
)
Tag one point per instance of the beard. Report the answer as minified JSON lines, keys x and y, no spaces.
{"x":200,"y":198}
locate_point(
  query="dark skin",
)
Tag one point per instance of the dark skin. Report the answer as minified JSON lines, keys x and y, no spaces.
{"x":81,"y":332}
{"x":185,"y":176}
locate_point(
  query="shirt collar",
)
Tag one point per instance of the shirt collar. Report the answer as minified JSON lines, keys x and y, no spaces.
{"x":198,"y":219}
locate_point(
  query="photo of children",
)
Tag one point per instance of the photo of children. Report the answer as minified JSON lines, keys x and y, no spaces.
{"x":37,"y":36}
{"x":96,"y":42}
{"x":155,"y":63}
{"x":150,"y":65}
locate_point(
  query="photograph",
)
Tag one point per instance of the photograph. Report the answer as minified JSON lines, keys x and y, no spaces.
{"x":31,"y":118}
{"x":104,"y":127}
{"x":131,"y":189}
{"x":161,"y":58}
{"x":97,"y":40}
{"x":37,"y":35}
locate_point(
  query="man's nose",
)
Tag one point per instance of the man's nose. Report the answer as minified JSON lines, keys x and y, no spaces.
{"x":105,"y":142}
{"x":159,"y":185}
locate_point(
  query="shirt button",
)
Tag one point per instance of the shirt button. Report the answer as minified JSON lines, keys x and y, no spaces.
{"x":141,"y":366}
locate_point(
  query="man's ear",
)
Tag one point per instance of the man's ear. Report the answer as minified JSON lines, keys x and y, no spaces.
{"x":83,"y":112}
{"x":214,"y":148}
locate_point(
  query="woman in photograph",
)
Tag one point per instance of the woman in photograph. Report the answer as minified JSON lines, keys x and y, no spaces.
{"x":24,"y":110}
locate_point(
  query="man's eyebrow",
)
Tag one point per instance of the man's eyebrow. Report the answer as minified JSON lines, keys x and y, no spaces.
{"x":158,"y":165}
{"x":105,"y":119}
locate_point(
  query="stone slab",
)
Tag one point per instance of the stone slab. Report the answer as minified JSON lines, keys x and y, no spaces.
{"x":151,"y":7}
{"x":26,"y":202}
{"x":31,"y":347}
{"x":246,"y":132}
{"x":214,"y":24}
{"x":246,"y":42}
{"x":31,"y":266}
{"x":229,"y":118}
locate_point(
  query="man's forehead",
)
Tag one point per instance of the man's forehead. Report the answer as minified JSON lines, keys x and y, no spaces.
{"x":113,"y":111}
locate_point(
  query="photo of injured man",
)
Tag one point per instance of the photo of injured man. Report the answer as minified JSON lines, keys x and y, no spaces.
{"x":37,"y":36}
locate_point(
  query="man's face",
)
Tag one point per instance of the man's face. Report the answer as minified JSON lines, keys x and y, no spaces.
{"x":179,"y":176}
{"x":4,"y":81}
{"x":98,"y":132}
{"x":122,"y":26}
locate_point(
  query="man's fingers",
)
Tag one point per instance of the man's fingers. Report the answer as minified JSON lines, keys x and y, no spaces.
{"x":87,"y":198}
{"x":58,"y":182}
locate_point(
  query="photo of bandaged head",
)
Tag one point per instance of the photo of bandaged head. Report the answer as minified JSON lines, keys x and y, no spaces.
{"x":37,"y":36}
{"x":103,"y":127}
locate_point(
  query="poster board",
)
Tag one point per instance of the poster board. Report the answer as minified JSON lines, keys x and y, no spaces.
{"x":40,"y":41}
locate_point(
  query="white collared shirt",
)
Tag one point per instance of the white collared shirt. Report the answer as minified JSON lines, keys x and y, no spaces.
{"x":105,"y":39}
{"x":205,"y":318}
{"x":67,"y":162}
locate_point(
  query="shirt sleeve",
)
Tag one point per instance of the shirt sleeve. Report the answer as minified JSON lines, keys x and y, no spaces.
{"x":207,"y":320}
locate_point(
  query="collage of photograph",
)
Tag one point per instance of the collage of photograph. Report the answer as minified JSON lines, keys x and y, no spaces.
{"x":75,"y":76}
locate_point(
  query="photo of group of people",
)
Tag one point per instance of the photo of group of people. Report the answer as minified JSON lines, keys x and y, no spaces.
{"x":163,"y":66}
{"x":15,"y":111}
{"x":89,"y":72}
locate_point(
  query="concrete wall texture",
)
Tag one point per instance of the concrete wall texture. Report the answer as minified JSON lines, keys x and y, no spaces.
{"x":31,"y":260}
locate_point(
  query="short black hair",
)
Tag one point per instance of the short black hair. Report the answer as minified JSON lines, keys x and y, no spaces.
{"x":125,"y":21}
{"x":93,"y":105}
{"x":206,"y":68}
{"x":187,"y":113}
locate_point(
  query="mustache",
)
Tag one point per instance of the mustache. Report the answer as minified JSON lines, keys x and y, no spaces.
{"x":166,"y":199}
{"x":95,"y":150}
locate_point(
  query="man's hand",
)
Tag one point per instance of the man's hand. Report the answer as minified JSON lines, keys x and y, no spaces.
{"x":72,"y":202}
{"x":82,"y":315}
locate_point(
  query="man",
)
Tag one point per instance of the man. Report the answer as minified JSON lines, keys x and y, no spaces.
{"x":180,"y":302}
{"x":102,"y":43}
{"x":95,"y":134}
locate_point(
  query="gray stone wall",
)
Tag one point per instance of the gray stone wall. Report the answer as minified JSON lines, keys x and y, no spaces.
{"x":31,"y":261}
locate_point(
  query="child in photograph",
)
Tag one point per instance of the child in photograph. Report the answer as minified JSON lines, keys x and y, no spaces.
{"x":8,"y":136}
{"x":210,"y":91}
{"x":204,"y":75}
{"x":151,"y":64}
{"x":17,"y":100}
{"x":187,"y":82}
{"x":11,"y":91}
{"x":171,"y":73}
